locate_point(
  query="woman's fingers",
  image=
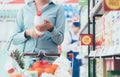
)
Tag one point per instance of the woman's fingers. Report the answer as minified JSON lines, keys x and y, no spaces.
{"x":36,"y":35}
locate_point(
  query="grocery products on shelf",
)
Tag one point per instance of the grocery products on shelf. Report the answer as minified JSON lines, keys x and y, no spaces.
{"x":107,"y":34}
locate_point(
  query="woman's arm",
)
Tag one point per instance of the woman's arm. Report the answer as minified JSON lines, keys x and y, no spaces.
{"x":57,"y":34}
{"x":19,"y":32}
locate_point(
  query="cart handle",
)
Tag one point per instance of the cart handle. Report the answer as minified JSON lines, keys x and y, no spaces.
{"x":41,"y":54}
{"x":46,"y":54}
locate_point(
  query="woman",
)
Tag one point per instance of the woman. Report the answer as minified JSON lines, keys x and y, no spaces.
{"x":27,"y":39}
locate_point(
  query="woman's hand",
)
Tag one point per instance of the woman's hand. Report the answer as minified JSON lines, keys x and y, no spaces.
{"x":32,"y":33}
{"x":46,"y":26}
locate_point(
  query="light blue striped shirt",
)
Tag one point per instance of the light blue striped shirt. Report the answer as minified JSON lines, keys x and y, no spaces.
{"x":49,"y":42}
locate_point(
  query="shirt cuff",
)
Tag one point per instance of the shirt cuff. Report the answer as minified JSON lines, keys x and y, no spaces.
{"x":22,"y":35}
{"x":51,"y":29}
{"x":54,"y":32}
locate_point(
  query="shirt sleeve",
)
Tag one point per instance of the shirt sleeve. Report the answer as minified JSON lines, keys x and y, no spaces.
{"x":19,"y":31}
{"x":57,"y":34}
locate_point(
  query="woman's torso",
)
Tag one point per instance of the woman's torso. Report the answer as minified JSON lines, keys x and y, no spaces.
{"x":44,"y":43}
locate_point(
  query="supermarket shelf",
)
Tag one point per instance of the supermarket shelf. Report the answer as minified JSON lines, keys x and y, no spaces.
{"x":111,"y":56}
{"x":94,"y":55}
{"x":95,"y":10}
{"x":112,"y":51}
{"x":107,"y":56}
{"x":3,"y":41}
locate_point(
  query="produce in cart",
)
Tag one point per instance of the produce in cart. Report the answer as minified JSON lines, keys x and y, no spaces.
{"x":59,"y":68}
{"x":43,"y":66}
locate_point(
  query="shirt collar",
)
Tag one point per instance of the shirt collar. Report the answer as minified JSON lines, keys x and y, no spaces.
{"x":32,"y":1}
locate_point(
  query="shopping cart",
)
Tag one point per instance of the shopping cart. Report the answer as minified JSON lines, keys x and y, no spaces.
{"x":70,"y":55}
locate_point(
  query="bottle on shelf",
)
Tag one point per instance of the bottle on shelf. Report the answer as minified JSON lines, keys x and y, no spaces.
{"x":38,"y":21}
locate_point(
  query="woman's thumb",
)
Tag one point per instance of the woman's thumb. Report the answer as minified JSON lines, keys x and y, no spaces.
{"x":46,"y":21}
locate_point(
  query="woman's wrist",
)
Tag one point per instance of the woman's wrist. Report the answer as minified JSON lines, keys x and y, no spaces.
{"x":50,"y":30}
{"x":26,"y":34}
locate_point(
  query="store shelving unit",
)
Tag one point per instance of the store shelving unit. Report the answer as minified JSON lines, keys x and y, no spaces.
{"x":92,"y":15}
{"x":93,"y":53}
